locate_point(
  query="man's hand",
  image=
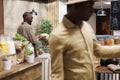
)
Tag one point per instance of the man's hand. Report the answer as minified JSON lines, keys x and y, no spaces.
{"x":42,"y":38}
{"x":39,"y":37}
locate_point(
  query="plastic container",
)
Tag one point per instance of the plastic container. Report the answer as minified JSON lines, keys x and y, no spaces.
{"x":7,"y":65}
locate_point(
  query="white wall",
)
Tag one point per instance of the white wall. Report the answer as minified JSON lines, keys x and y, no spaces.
{"x":62,"y":9}
{"x":92,"y":21}
{"x":13,"y":11}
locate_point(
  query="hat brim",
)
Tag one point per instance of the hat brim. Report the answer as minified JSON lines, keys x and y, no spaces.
{"x":75,"y":1}
{"x":78,"y":1}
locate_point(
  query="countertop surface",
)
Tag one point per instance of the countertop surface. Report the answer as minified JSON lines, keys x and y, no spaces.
{"x":20,"y":67}
{"x":103,"y":69}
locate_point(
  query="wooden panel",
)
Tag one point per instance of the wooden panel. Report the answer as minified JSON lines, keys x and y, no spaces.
{"x":1,"y":18}
{"x":53,"y":12}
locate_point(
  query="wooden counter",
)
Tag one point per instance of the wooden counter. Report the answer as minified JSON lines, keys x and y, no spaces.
{"x":24,"y":71}
{"x":102,"y":69}
{"x":103,"y":73}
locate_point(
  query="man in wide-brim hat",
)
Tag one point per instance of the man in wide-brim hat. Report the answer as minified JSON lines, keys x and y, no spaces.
{"x":73,"y":44}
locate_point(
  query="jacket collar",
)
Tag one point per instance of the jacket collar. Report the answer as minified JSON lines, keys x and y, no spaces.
{"x":68,"y":23}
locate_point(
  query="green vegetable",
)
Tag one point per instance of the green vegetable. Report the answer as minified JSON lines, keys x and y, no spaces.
{"x":28,"y":51}
{"x":46,"y":35}
{"x":20,"y":37}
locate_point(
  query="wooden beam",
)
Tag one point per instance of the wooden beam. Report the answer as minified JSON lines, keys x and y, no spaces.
{"x":53,"y":11}
{"x":1,"y":18}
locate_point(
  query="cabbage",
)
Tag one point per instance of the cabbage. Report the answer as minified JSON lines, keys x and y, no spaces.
{"x":46,"y":35}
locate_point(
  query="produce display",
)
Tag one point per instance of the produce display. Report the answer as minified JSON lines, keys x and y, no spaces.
{"x":28,"y":50}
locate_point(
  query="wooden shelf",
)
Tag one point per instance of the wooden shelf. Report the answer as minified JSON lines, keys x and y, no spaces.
{"x":16,"y":69}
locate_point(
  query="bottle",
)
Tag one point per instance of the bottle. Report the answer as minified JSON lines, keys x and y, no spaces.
{"x":11,"y":46}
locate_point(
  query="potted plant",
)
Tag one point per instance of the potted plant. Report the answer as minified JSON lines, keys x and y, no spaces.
{"x":45,"y":26}
{"x":29,"y":54}
{"x":6,"y":63}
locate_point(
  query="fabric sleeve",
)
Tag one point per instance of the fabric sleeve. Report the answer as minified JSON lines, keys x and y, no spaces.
{"x":29,"y":34}
{"x":56,"y":51}
{"x":106,"y":51}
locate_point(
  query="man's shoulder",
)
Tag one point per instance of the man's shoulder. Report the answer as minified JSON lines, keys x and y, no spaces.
{"x":86,"y":24}
{"x":58,"y":29}
{"x":24,"y":26}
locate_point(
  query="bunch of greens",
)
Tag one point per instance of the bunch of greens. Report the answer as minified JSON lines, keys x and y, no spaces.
{"x":28,"y":51}
{"x":20,"y":37}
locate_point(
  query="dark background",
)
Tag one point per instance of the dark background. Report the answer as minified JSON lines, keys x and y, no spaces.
{"x":115,"y":15}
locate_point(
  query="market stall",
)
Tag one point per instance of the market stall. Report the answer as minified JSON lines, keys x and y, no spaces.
{"x":21,"y":66}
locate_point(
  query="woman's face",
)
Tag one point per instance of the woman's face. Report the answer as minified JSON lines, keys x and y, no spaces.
{"x":84,"y":10}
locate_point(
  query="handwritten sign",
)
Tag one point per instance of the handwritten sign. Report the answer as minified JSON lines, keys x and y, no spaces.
{"x":115,"y":15}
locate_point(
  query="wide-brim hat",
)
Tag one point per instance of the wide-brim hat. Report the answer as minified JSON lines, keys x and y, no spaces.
{"x":78,"y":1}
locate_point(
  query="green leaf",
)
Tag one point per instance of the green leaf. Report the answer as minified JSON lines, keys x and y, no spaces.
{"x":20,"y":37}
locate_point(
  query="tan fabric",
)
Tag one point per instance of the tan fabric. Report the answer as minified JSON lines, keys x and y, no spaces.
{"x":26,"y":30}
{"x":78,"y":1}
{"x":72,"y":51}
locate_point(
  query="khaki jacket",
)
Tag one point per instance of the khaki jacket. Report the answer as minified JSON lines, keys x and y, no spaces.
{"x":73,"y":49}
{"x":26,"y":30}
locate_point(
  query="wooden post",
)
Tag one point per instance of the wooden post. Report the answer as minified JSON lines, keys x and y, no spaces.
{"x":1,"y":17}
{"x":53,"y":11}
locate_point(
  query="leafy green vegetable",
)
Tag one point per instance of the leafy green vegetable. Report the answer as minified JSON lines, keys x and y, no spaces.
{"x":28,"y":51}
{"x":20,"y":37}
